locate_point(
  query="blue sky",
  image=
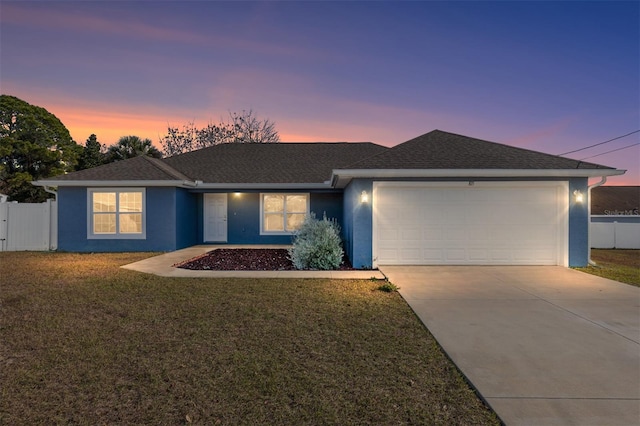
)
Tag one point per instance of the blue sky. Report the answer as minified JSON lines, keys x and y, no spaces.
{"x":549,"y":76}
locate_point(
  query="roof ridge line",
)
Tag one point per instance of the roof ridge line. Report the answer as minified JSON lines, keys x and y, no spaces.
{"x":526,"y":149}
{"x":164,"y":167}
{"x":579,"y":162}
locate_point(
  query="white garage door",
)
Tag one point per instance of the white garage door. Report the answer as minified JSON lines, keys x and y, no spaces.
{"x":488,"y":223}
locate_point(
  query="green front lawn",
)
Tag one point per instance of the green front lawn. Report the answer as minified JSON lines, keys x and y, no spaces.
{"x":85,"y":342}
{"x":618,"y":265}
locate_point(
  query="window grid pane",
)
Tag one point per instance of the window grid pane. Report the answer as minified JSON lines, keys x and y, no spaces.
{"x":130,"y":202}
{"x":274,"y":203}
{"x":273,"y":222}
{"x":104,"y":223}
{"x":130,"y":223}
{"x":296,"y":203}
{"x":104,"y":202}
{"x":294,"y":221}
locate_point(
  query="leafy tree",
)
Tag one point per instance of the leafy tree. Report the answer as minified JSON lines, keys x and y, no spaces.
{"x":131,"y":146}
{"x":242,"y":127}
{"x":34,"y":144}
{"x":93,"y":154}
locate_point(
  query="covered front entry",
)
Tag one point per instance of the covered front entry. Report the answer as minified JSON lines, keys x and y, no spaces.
{"x":215,"y":218}
{"x":470,"y":223}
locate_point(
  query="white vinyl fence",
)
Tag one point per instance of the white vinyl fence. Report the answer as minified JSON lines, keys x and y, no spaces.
{"x":619,"y":235}
{"x":27,"y":226}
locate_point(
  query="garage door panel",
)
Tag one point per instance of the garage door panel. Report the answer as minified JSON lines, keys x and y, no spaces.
{"x":432,"y":213}
{"x":483,"y":214}
{"x":411,"y":256}
{"x":478,"y":255}
{"x":455,"y":234}
{"x":411,"y":234}
{"x":455,"y":255}
{"x":430,"y":233}
{"x":470,"y":225}
{"x":388,"y":215}
{"x":388,"y":255}
{"x":452,"y":215}
{"x":500,"y":255}
{"x":478,"y":234}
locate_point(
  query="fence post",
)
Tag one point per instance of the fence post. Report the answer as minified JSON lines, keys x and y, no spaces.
{"x":46,"y":221}
{"x":53,"y":220}
{"x":4,"y":225}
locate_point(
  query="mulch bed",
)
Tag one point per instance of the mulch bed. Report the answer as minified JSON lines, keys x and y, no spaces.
{"x":245,"y":260}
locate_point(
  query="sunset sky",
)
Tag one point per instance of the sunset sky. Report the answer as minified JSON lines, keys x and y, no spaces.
{"x":549,"y":76}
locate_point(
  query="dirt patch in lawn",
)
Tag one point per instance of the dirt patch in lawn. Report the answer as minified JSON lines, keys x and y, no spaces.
{"x":246,"y":260}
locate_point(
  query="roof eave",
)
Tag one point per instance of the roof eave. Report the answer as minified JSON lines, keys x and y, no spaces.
{"x":116,"y":183}
{"x":181,"y":184}
{"x":278,"y":186}
{"x":341,"y":177}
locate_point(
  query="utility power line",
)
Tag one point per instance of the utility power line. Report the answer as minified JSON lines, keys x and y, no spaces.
{"x":601,"y":143}
{"x":613,"y":150}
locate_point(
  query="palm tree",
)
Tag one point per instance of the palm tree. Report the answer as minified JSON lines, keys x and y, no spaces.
{"x":132,"y":146}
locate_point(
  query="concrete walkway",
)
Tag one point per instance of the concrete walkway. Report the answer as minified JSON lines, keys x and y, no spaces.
{"x":543,"y":345}
{"x":161,"y":265}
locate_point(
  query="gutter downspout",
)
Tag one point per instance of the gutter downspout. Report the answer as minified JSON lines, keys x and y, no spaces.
{"x":589,"y":188}
{"x":51,"y":191}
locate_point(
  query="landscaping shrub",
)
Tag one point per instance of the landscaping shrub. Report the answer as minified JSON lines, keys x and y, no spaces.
{"x":317,"y":245}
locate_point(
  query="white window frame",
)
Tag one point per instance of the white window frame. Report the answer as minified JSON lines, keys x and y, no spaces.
{"x":285,"y":194}
{"x":117,"y":235}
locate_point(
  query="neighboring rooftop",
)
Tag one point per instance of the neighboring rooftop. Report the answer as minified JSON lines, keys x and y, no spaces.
{"x":615,"y":200}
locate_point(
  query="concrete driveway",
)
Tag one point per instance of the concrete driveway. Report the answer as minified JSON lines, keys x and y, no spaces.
{"x":543,"y":345}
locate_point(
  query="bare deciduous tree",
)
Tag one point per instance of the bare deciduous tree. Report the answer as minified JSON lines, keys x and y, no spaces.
{"x":243,"y":127}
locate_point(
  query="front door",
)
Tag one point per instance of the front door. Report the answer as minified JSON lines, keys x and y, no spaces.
{"x":215,"y":218}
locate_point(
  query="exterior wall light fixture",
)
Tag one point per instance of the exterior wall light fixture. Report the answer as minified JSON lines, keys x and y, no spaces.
{"x":578,"y":196}
{"x":364,"y":197}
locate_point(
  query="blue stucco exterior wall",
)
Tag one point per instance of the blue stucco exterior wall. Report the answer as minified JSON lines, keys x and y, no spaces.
{"x":357,"y":225}
{"x":243,"y":216}
{"x":161,"y":223}
{"x":174,"y":220}
{"x":578,"y":224}
{"x":244,"y":221}
{"x":186,"y":218}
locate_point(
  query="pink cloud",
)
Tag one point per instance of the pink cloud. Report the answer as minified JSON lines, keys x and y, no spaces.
{"x":53,"y":19}
{"x":134,"y":29}
{"x":544,"y":138}
{"x":311,"y":117}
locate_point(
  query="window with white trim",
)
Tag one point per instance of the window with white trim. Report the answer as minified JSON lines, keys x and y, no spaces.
{"x":282,"y":213}
{"x":116,"y":213}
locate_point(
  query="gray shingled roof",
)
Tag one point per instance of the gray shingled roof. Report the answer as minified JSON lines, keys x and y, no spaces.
{"x":611,"y":198}
{"x":443,"y":150}
{"x":303,"y":163}
{"x":137,"y":168}
{"x":271,"y":163}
